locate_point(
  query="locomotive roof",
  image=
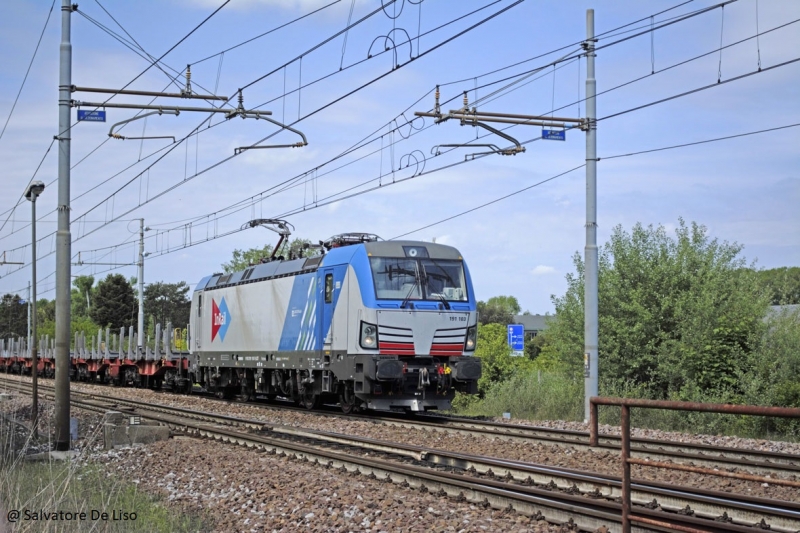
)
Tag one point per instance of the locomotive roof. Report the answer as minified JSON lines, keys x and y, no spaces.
{"x":396,"y":249}
{"x":343,"y":254}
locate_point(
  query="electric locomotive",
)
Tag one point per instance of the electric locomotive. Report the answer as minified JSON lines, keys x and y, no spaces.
{"x":368,"y":324}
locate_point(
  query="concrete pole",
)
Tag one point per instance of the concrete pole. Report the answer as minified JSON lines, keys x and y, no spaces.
{"x":29,"y":307}
{"x":590,"y":254}
{"x":63,"y":237}
{"x":32,"y":326}
{"x":140,"y":324}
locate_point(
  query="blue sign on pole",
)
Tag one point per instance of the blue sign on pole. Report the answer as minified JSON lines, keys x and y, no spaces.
{"x":554,"y":135}
{"x":516,"y":338}
{"x":91,"y":116}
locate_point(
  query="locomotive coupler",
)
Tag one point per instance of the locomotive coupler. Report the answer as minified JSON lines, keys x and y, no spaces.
{"x":423,"y":378}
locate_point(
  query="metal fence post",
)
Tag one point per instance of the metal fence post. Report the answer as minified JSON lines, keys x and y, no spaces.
{"x":593,"y":423}
{"x":626,"y":468}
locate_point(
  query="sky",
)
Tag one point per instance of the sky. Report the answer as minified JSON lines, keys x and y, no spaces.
{"x":369,"y":165}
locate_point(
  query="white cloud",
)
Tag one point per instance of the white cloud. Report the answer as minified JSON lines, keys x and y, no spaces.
{"x":543,"y":270}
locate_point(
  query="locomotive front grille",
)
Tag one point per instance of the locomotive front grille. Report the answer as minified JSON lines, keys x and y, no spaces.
{"x":400,"y":341}
{"x":449,"y":341}
{"x":395,"y":341}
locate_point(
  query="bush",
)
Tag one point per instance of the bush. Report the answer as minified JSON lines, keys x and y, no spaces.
{"x":683,"y":421}
{"x":494,"y":352}
{"x":530,"y":395}
{"x":673,"y":312}
{"x":774,"y":375}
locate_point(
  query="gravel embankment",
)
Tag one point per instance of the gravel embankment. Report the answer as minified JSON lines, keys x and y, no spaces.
{"x":599,"y":461}
{"x":209,"y":474}
{"x":250,"y":491}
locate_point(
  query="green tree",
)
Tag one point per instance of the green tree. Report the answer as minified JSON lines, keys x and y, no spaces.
{"x":533,"y":347}
{"x":114,"y":303}
{"x":13,"y":317}
{"x":168,"y":302}
{"x":46,"y":325}
{"x":45,"y":310}
{"x":675,"y":314}
{"x":82,"y":294}
{"x":774,"y":376}
{"x":245,"y":258}
{"x":783,"y":284}
{"x":495,"y":354}
{"x":498,"y":310}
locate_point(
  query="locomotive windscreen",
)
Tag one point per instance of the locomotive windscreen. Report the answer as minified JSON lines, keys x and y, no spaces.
{"x":409,"y":278}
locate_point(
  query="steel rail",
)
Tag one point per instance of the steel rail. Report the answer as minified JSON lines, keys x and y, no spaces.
{"x":709,"y":505}
{"x":704,"y":455}
{"x":765,"y":463}
{"x":506,"y":497}
{"x":583,"y":512}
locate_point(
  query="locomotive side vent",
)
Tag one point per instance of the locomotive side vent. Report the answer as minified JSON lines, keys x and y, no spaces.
{"x":312,"y":262}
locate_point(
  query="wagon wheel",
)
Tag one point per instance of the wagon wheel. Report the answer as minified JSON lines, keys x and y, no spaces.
{"x":244,"y":394}
{"x":309,"y":400}
{"x":348,"y":401}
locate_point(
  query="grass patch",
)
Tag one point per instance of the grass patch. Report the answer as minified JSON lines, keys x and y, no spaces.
{"x":756,"y":427}
{"x":63,"y":486}
{"x":529,"y":395}
{"x":552,"y":396}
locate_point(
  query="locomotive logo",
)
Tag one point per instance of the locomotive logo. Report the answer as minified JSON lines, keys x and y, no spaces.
{"x":220,"y":319}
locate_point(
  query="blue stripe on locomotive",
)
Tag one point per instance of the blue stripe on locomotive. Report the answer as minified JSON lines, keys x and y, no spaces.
{"x":301,"y":329}
{"x":298,"y":327}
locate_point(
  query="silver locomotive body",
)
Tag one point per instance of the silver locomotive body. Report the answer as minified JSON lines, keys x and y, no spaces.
{"x":376,"y":325}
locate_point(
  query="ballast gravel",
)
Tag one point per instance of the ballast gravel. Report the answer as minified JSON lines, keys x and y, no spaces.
{"x":245,"y":490}
{"x":597,"y":460}
{"x":249,"y":491}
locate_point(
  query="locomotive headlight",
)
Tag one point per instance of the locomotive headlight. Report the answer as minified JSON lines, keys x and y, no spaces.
{"x":369,"y":336}
{"x":472,"y":334}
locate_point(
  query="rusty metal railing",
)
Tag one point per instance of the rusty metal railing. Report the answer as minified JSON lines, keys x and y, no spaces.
{"x":625,"y":432}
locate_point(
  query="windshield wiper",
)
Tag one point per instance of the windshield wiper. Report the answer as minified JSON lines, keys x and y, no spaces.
{"x":444,"y":273}
{"x":413,"y":288}
{"x":427,"y":287}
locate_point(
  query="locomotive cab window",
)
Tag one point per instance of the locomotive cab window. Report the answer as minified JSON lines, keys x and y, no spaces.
{"x":328,"y":288}
{"x":420,"y":278}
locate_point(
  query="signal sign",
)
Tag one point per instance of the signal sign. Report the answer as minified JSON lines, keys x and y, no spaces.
{"x":516,"y":338}
{"x":91,"y":116}
{"x":554,"y":135}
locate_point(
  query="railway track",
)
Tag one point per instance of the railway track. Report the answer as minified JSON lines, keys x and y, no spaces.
{"x":558,"y":494}
{"x":764,"y":463}
{"x":759,"y":462}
